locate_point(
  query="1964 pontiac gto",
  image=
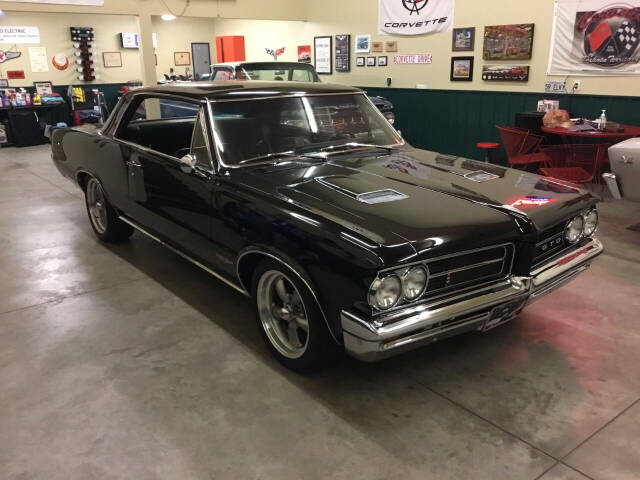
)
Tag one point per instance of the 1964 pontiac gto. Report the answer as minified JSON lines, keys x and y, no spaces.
{"x":305,"y":198}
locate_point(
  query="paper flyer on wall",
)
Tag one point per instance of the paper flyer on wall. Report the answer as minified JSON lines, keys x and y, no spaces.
{"x":38,"y":59}
{"x":595,"y":37}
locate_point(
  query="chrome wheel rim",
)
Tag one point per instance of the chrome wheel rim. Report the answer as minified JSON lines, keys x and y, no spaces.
{"x":97,"y":206}
{"x":282,"y":314}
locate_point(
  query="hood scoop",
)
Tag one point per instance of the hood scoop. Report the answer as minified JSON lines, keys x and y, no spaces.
{"x":359,"y":191}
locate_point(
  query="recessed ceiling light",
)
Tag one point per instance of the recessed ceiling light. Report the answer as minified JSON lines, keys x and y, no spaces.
{"x":167,"y":17}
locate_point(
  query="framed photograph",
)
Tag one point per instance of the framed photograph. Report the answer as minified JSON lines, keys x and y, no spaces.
{"x":363,"y":43}
{"x":371,"y":61}
{"x":359,"y":61}
{"x":322,"y":54}
{"x":464,"y":39}
{"x":382,"y":61}
{"x":376,"y":47}
{"x":4,"y":82}
{"x":505,"y":73}
{"x":304,"y":53}
{"x":43,"y":88}
{"x":111,"y":59}
{"x":508,"y":42}
{"x":181,"y":59}
{"x":461,"y":69}
{"x":391,"y":46}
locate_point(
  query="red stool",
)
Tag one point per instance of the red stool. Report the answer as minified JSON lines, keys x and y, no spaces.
{"x":487,"y":147}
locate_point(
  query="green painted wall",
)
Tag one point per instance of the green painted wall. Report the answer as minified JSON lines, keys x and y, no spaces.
{"x":453,"y":121}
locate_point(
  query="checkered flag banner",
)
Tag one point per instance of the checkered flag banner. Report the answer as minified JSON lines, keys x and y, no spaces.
{"x":596,"y":37}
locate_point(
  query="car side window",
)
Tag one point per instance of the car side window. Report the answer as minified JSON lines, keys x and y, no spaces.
{"x":165,"y":125}
{"x":298,"y":75}
{"x":222,"y":74}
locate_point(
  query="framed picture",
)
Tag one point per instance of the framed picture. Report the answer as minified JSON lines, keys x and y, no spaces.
{"x":111,"y":59}
{"x":43,"y":88}
{"x":391,"y":46}
{"x":181,"y":59}
{"x":505,"y":73}
{"x":376,"y":47}
{"x":464,"y":39}
{"x":382,"y":61}
{"x":508,"y":42}
{"x":461,"y":69}
{"x":343,"y":53}
{"x":359,"y":61}
{"x":363,"y":43}
{"x":4,"y":82}
{"x":322,"y":47}
{"x":371,"y":61}
{"x":304,"y":53}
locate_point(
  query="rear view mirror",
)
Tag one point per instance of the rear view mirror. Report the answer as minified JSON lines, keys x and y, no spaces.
{"x":188,"y":160}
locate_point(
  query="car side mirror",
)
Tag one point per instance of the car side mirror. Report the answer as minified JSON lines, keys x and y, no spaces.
{"x":188,"y":160}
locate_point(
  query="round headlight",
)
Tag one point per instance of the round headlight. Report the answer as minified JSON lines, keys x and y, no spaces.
{"x":414,"y":283}
{"x":590,"y":222}
{"x":390,"y":117}
{"x":387,"y":292}
{"x":574,"y":230}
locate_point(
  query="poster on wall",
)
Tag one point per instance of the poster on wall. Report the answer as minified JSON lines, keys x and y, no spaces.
{"x":505,"y":73}
{"x":322,"y":55}
{"x":304,"y":53}
{"x":343,"y":53}
{"x":19,"y":35}
{"x":595,"y":37}
{"x":93,"y":3}
{"x":38,"y":59}
{"x":414,"y":58}
{"x":508,"y":42}
{"x":414,"y":17}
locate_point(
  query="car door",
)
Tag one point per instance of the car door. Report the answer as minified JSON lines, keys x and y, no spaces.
{"x":168,"y":196}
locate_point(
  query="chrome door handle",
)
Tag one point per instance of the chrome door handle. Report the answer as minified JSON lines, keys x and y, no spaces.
{"x":133,"y":163}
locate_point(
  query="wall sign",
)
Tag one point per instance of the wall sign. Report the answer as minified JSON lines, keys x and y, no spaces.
{"x":505,"y":73}
{"x":43,"y":88}
{"x":111,"y":59}
{"x":4,"y":56}
{"x":19,"y":35}
{"x":599,"y":37}
{"x":322,"y":55}
{"x":15,"y":74}
{"x":304,"y":53}
{"x":343,"y":53}
{"x":413,"y":58}
{"x":414,"y":17}
{"x":60,"y":61}
{"x":275,"y":53}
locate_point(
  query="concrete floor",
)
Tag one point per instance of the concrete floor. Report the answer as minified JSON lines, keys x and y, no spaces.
{"x":128,"y":362}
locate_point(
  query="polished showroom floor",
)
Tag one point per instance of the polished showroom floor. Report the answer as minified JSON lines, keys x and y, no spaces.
{"x":127,"y":362}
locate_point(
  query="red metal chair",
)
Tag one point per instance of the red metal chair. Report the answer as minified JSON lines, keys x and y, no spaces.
{"x":487,"y":147}
{"x":522,"y":147}
{"x":573,"y":163}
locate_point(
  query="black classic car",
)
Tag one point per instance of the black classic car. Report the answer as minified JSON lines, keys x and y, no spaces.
{"x":305,"y":198}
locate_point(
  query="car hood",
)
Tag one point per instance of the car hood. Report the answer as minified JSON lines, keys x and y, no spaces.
{"x":423,"y":199}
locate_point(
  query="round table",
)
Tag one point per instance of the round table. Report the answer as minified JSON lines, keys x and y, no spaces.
{"x":629,"y":131}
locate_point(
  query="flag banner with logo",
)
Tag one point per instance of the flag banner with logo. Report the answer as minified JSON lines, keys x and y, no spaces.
{"x":595,"y":37}
{"x":414,"y":17}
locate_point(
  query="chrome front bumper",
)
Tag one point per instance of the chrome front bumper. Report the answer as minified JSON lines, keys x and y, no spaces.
{"x":481,"y":309}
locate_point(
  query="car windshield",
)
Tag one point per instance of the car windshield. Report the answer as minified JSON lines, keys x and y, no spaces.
{"x":279,"y":127}
{"x":273,"y":73}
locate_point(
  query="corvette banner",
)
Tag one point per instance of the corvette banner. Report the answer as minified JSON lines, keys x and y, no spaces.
{"x":414,"y":17}
{"x":595,"y":37}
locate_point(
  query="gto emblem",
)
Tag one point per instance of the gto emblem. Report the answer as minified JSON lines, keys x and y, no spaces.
{"x":414,"y":6}
{"x":552,"y":244}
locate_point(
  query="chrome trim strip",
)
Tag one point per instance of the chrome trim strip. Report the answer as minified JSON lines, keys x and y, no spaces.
{"x":291,"y":95}
{"x":185,"y":256}
{"x":278,"y":259}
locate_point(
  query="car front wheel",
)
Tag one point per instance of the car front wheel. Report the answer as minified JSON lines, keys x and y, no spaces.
{"x":104,"y":219}
{"x":289,"y":319}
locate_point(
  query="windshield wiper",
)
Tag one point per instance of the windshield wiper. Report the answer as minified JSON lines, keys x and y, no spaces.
{"x":268,"y":156}
{"x":345,"y":147}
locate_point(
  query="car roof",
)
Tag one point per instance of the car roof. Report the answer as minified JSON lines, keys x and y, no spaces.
{"x":265,"y":63}
{"x":243,"y":89}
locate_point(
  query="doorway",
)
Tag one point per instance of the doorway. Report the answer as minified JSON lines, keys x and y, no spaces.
{"x":201,"y":55}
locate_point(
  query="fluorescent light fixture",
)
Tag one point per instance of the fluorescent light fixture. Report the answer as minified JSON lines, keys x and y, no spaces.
{"x":167,"y":17}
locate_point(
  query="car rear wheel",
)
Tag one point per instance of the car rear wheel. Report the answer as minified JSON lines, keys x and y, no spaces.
{"x":289,"y":318}
{"x":104,"y":219}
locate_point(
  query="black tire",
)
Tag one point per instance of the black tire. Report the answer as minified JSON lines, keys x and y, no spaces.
{"x":106,"y":224}
{"x":320,"y":347}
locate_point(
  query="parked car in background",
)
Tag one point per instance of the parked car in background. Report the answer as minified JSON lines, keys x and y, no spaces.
{"x":278,"y":71}
{"x":303,"y":197}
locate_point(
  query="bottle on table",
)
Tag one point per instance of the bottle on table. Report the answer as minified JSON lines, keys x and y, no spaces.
{"x":603,"y":120}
